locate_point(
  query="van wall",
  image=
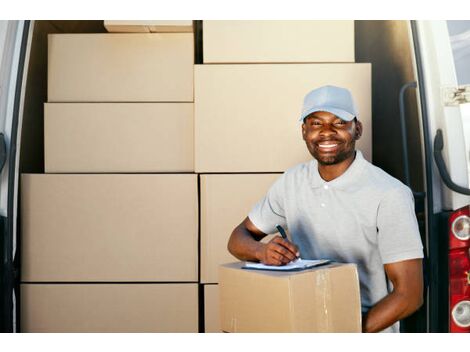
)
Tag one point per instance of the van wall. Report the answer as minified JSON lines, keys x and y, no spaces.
{"x":386,"y":44}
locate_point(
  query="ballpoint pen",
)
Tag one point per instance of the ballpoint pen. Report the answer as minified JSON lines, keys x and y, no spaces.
{"x":281,"y":231}
{"x":284,"y":236}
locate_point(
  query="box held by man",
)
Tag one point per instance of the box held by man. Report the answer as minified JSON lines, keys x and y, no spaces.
{"x":322,"y":299}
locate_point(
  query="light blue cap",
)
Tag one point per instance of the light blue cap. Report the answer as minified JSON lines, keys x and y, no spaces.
{"x":336,"y":100}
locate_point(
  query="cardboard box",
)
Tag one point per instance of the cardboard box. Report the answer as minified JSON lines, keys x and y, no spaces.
{"x":109,"y":308}
{"x":278,"y":41}
{"x":146,"y":26}
{"x":119,"y":137}
{"x":323,"y":299}
{"x":252,"y":124}
{"x":225,"y":201}
{"x":211,"y":309}
{"x":120,"y":67}
{"x":109,"y":227}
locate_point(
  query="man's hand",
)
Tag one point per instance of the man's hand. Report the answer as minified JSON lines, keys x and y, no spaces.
{"x":278,"y":251}
{"x":244,"y":244}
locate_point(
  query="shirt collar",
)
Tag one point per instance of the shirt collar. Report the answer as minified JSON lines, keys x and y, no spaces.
{"x":351,"y":177}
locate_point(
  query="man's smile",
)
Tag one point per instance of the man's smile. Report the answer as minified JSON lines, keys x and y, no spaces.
{"x":327,"y":146}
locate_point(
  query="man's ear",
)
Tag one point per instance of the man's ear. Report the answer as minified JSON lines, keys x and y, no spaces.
{"x":304,"y":131}
{"x":358,"y":130}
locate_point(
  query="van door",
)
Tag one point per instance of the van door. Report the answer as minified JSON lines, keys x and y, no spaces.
{"x":13,"y":52}
{"x":441,"y":48}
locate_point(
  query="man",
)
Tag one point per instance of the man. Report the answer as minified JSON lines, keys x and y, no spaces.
{"x":341,"y":207}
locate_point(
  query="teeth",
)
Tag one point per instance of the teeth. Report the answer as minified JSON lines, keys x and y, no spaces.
{"x":327,"y":145}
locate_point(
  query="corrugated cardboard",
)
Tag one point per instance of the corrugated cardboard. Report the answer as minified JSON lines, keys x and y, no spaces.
{"x":323,"y":299}
{"x":278,"y":41}
{"x":146,"y":26}
{"x":211,"y":309}
{"x":109,"y":227}
{"x":120,"y":67}
{"x":119,"y":137}
{"x":225,"y":201}
{"x":109,"y":308}
{"x":251,"y":125}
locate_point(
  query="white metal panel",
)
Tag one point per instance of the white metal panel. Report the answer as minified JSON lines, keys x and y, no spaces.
{"x":439,"y":73}
{"x":10,"y":44}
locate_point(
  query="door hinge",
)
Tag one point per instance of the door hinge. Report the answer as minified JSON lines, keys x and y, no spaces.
{"x":454,"y":96}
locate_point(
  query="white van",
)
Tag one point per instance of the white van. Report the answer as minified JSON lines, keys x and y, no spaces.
{"x":420,"y":135}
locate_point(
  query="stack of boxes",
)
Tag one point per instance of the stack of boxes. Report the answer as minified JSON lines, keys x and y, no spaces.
{"x":248,"y":97}
{"x":110,"y":231}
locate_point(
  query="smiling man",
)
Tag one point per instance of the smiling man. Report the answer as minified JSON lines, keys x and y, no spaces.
{"x":341,"y":207}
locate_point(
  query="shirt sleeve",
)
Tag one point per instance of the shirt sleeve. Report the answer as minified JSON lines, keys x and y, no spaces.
{"x":398,"y":232}
{"x":269,"y":211}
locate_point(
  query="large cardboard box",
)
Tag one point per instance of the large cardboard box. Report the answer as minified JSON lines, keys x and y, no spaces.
{"x":109,"y":308}
{"x":278,"y":41}
{"x":146,"y":26}
{"x":323,"y":299}
{"x":119,"y":137}
{"x":109,"y":227}
{"x":251,"y":124}
{"x":211,"y":309}
{"x":225,"y":201}
{"x":120,"y":67}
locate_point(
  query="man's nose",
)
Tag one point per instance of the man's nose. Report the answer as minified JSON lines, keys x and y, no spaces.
{"x":327,"y":129}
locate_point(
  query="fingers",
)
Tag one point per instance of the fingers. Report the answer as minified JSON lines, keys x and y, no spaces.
{"x":279,"y":252}
{"x":289,"y":249}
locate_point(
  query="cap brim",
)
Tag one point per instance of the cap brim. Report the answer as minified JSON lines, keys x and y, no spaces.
{"x":342,"y":114}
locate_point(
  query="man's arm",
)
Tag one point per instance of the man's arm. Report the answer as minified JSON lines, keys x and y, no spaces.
{"x":244,"y":243}
{"x":405,"y":299}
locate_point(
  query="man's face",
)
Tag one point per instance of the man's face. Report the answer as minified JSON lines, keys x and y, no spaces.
{"x":329,"y":139}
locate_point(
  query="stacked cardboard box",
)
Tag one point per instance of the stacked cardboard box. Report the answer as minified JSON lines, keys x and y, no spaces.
{"x":226,"y":200}
{"x":127,"y":67}
{"x":248,"y":97}
{"x":109,"y":307}
{"x":251,"y":124}
{"x":119,"y":137}
{"x":145,"y":26}
{"x":117,"y":252}
{"x":278,"y":41}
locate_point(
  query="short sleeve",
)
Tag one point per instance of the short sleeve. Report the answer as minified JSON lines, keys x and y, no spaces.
{"x":398,"y":232}
{"x":269,"y":211}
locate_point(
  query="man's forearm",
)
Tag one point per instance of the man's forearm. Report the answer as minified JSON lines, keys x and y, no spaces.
{"x":243,"y":245}
{"x":389,"y":310}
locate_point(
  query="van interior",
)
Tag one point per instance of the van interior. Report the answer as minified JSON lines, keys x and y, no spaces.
{"x":385,"y":44}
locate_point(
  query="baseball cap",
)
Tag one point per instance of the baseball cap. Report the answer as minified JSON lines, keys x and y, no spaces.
{"x":336,"y":100}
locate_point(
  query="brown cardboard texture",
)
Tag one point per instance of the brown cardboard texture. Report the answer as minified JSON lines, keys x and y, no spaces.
{"x":109,"y":308}
{"x":323,"y":299}
{"x":225,"y":201}
{"x":278,"y":41}
{"x":145,"y":26}
{"x":118,"y":227}
{"x":120,"y":67}
{"x":252,"y":123}
{"x":119,"y":137}
{"x":211,"y":309}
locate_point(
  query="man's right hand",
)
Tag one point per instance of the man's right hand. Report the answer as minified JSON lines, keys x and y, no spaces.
{"x":245,"y":244}
{"x":278,"y":251}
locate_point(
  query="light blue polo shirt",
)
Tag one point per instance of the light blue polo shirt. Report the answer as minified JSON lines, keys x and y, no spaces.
{"x":364,"y":216}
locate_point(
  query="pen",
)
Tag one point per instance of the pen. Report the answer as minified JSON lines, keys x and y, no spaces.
{"x":284,"y":236}
{"x":281,"y":231}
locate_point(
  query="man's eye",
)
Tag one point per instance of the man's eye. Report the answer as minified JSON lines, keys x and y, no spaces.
{"x":340,"y":123}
